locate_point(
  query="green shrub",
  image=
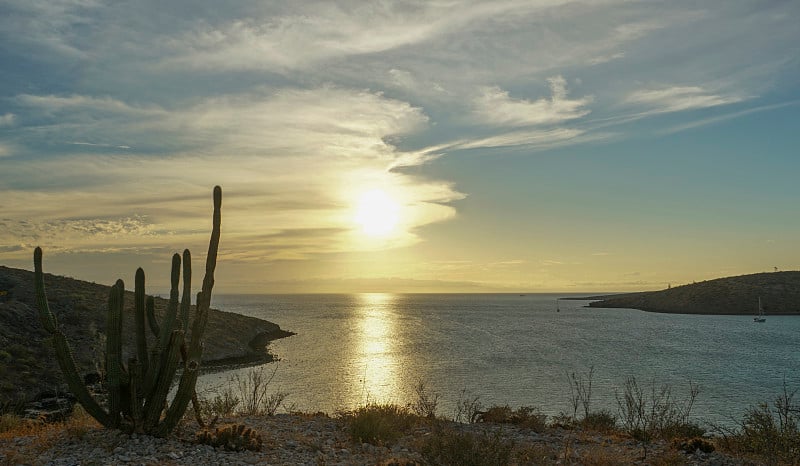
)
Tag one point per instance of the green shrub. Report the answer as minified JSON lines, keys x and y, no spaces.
{"x":448,"y":446}
{"x":379,"y":424}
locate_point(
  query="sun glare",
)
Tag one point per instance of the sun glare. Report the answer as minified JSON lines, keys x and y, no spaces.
{"x":377,"y":213}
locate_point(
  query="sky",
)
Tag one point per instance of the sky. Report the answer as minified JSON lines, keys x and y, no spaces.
{"x":419,"y":146}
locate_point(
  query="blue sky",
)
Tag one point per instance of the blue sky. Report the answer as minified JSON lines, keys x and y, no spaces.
{"x":520,"y":145}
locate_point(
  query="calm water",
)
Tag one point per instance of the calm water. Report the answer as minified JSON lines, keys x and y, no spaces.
{"x":504,"y":348}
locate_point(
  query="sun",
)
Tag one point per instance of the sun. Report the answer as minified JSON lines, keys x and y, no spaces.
{"x":377,"y":213}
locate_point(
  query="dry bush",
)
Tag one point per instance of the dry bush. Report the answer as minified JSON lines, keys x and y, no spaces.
{"x":468,"y":408}
{"x":449,"y":446}
{"x":770,"y":432}
{"x":538,"y":454}
{"x":602,"y":456}
{"x":425,"y":404}
{"x":656,"y":413}
{"x":525,"y":416}
{"x":599,"y":421}
{"x":379,"y":424}
{"x":80,"y":423}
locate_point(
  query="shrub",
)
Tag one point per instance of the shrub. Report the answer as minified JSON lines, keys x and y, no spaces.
{"x":79,"y":423}
{"x":691,"y":445}
{"x":448,"y":446}
{"x":656,"y":414}
{"x":425,"y":404}
{"x":223,"y":404}
{"x":524,"y":416}
{"x":769,"y":431}
{"x":379,"y":424}
{"x":580,"y":390}
{"x":600,"y":421}
{"x":468,"y":408}
{"x":255,"y":397}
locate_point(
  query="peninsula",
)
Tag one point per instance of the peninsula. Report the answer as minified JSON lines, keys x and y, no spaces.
{"x":779,"y":293}
{"x":27,"y":363}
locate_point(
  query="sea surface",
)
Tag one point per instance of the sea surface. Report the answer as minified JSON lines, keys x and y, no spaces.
{"x":351,"y":349}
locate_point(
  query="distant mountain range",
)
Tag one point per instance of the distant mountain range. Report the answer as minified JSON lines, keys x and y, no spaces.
{"x":779,"y":293}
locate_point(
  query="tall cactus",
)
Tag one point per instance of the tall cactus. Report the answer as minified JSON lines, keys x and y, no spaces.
{"x":137,"y":398}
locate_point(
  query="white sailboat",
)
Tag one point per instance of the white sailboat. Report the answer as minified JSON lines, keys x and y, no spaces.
{"x":760,"y":317}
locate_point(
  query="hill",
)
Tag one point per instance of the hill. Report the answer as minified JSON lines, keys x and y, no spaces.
{"x":27,"y":361}
{"x":779,"y":293}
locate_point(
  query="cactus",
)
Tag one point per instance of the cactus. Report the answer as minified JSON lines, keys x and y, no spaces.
{"x":137,"y":393}
{"x":231,"y":437}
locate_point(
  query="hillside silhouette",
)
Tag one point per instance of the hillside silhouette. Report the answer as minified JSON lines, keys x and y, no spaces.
{"x":779,"y":293}
{"x":27,"y":361}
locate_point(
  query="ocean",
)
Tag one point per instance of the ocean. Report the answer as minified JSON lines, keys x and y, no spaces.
{"x":351,"y":349}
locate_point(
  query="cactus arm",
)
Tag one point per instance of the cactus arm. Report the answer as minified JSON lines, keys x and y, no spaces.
{"x":213,"y":247}
{"x":48,"y":319}
{"x":67,"y":363}
{"x":192,"y":366}
{"x":150,"y":309}
{"x":139,"y":318}
{"x":167,"y":325}
{"x":63,"y":352}
{"x":157,"y":398}
{"x":114,"y":352}
{"x":184,"y":394}
{"x":186,"y":299}
{"x":204,"y":296}
{"x":135,"y":369}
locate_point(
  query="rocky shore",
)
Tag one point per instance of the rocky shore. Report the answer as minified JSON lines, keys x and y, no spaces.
{"x":297,"y":439}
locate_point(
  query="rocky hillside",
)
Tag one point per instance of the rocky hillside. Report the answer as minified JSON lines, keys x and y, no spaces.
{"x":27,"y":362}
{"x":779,"y":293}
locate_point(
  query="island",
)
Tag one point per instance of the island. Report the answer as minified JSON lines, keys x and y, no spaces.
{"x":779,"y":293}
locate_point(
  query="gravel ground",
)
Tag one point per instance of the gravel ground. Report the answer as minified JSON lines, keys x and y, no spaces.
{"x":321,"y":440}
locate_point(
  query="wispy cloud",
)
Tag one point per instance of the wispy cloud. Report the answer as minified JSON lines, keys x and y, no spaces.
{"x":679,"y":98}
{"x":727,"y":116}
{"x":94,"y":144}
{"x":494,"y":106}
{"x":7,"y":119}
{"x":538,"y":138}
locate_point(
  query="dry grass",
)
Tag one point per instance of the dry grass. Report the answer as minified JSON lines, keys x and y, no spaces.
{"x":379,"y":424}
{"x":602,"y":456}
{"x":448,"y":446}
{"x":45,"y":434}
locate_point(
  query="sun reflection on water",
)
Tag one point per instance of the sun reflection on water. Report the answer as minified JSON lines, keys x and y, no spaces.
{"x":377,"y":356}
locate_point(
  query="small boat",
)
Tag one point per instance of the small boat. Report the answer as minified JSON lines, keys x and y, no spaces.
{"x":760,"y":317}
{"x":558,"y":309}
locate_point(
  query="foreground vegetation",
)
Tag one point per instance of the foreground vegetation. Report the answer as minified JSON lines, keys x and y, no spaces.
{"x":652,"y":424}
